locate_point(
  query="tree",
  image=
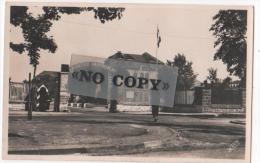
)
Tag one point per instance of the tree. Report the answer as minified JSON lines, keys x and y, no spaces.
{"x":212,"y":77}
{"x":186,"y":75}
{"x":35,"y":29}
{"x":230,"y":28}
{"x":226,"y":82}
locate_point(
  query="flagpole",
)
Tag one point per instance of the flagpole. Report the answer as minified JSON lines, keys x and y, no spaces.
{"x":156,"y":44}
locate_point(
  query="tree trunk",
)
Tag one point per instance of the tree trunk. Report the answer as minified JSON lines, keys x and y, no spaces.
{"x":185,"y":94}
{"x":34,"y":71}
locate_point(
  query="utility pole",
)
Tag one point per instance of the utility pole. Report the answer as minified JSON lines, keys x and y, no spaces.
{"x":29,"y":117}
{"x":10,"y":87}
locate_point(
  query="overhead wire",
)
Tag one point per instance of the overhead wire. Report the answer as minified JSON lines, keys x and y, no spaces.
{"x":134,"y":31}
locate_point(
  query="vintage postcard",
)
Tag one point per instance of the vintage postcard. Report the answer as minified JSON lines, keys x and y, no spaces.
{"x":127,"y":82}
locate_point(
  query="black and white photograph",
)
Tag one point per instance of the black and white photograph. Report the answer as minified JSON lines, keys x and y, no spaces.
{"x":127,"y":82}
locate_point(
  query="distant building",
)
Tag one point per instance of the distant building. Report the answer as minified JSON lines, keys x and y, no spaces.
{"x":136,"y":96}
{"x":18,"y":91}
{"x":234,"y":84}
{"x":145,"y":57}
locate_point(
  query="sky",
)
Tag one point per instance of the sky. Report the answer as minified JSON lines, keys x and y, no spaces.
{"x":183,"y":29}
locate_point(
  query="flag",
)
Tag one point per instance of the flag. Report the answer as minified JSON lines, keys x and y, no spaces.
{"x":158,"y":38}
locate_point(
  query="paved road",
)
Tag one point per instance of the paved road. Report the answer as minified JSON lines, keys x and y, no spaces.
{"x":189,"y":136}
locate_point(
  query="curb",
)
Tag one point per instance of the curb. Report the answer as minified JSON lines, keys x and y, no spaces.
{"x":57,"y":151}
{"x":109,"y":150}
{"x":238,"y":122}
{"x":206,"y":115}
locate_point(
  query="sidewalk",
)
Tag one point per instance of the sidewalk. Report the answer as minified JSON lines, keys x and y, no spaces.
{"x":209,"y":115}
{"x":78,"y":110}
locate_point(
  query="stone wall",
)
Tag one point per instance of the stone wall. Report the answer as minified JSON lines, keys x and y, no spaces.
{"x":185,"y":109}
{"x":221,"y":108}
{"x":206,"y":97}
{"x":133,"y":108}
{"x":64,"y":95}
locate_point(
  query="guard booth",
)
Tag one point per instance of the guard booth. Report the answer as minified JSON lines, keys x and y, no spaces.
{"x":48,"y":89}
{"x":42,"y":98}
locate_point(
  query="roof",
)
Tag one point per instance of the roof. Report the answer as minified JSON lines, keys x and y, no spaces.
{"x":52,"y":73}
{"x":145,"y":57}
{"x":46,"y":75}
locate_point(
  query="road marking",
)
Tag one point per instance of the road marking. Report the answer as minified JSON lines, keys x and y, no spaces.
{"x":153,"y":144}
{"x":137,"y":126}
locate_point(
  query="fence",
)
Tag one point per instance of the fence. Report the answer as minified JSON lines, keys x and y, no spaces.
{"x":226,"y":96}
{"x":184,"y":97}
{"x":212,"y":99}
